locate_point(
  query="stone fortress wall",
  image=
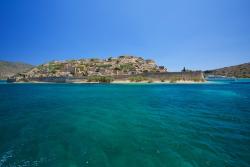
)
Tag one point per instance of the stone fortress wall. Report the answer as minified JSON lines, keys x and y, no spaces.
{"x":167,"y":76}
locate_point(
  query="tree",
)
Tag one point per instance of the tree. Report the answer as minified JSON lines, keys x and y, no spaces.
{"x":184,"y":69}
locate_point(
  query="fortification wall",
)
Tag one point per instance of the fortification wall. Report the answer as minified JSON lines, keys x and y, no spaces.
{"x":188,"y":76}
{"x":168,"y":76}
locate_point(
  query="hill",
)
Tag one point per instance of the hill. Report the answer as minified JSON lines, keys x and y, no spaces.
{"x":239,"y":71}
{"x":8,"y":69}
{"x":122,"y":65}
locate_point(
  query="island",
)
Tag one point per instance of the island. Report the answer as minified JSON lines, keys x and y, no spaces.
{"x":122,"y":69}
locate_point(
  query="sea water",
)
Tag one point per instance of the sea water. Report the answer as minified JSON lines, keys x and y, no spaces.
{"x":125,"y":125}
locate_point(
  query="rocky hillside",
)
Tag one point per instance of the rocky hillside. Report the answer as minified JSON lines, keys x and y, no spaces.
{"x":239,"y":71}
{"x":123,"y":65}
{"x":8,"y":69}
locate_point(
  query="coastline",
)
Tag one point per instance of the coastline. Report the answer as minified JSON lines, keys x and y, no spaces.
{"x":128,"y":82}
{"x":158,"y":82}
{"x":118,"y":82}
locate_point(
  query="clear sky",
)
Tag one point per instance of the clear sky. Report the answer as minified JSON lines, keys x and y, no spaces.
{"x":198,"y":34}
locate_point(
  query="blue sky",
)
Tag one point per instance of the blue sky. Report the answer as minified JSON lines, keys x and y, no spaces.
{"x":198,"y":34}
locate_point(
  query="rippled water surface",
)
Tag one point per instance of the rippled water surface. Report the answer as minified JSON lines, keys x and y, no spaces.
{"x":150,"y":125}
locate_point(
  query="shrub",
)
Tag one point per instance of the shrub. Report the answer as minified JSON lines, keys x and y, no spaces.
{"x":40,"y":67}
{"x":101,"y":79}
{"x":110,"y":59}
{"x":94,"y":59}
{"x":117,"y":61}
{"x":121,"y":57}
{"x":117,"y":68}
{"x":137,"y":79}
{"x":71,"y":61}
{"x":106,"y":79}
{"x":54,"y":67}
{"x":162,"y":80}
{"x":82,"y":67}
{"x":103,"y":65}
{"x":127,"y":67}
{"x":198,"y":80}
{"x":153,"y":70}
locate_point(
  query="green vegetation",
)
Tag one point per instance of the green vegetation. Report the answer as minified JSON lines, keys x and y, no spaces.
{"x":94,"y":60}
{"x":162,"y":80}
{"x":71,"y":61}
{"x":198,"y":80}
{"x":40,"y":67}
{"x":58,"y":66}
{"x":137,"y":79}
{"x":117,"y":61}
{"x":127,"y":67}
{"x":82,"y":67}
{"x":117,"y":68}
{"x":120,"y":57}
{"x":154,"y":70}
{"x":102,"y":79}
{"x":110,"y":59}
{"x":55,"y":67}
{"x":103,"y":65}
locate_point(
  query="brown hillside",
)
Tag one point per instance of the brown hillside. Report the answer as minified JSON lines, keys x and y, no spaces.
{"x":239,"y":71}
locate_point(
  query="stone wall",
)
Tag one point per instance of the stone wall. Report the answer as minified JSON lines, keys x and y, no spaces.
{"x":168,"y":76}
{"x":40,"y":79}
{"x":188,"y":76}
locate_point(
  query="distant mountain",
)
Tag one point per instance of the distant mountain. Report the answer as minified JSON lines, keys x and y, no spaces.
{"x":239,"y":71}
{"x":8,"y":69}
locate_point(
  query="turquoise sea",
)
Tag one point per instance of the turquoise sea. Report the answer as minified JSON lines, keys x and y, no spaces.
{"x":125,"y":125}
